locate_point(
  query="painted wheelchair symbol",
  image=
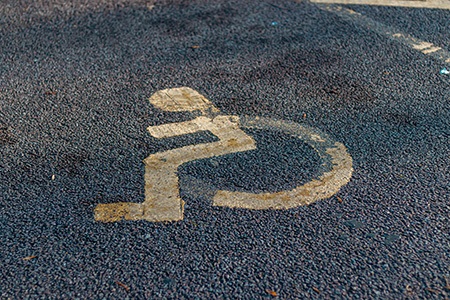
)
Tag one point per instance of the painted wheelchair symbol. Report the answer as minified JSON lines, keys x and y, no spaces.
{"x":162,"y":199}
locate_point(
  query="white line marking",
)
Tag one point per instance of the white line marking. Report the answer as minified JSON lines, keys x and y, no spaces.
{"x":440,"y":4}
{"x":424,"y":47}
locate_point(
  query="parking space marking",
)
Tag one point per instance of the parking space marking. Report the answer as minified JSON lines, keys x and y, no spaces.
{"x":424,"y":47}
{"x":162,"y":199}
{"x":335,"y":160}
{"x":440,"y":4}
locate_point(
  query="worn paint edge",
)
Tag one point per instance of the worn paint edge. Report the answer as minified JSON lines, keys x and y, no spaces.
{"x":392,"y":33}
{"x":440,"y":4}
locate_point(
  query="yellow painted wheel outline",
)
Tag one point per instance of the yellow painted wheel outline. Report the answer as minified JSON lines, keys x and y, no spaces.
{"x":336,"y":163}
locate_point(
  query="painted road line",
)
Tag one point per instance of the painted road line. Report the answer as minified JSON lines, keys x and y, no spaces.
{"x":336,"y":170}
{"x":440,"y":4}
{"x":162,"y":199}
{"x":424,"y":47}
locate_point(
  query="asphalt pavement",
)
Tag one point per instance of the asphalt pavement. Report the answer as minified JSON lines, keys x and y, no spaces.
{"x":75,"y":83}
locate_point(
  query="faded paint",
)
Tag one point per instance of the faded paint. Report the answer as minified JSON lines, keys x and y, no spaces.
{"x":162,"y":199}
{"x":333,"y":154}
{"x":440,"y":4}
{"x":424,"y":47}
{"x":181,"y":99}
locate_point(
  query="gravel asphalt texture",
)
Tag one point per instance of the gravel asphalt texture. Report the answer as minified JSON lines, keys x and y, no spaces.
{"x":74,"y":87}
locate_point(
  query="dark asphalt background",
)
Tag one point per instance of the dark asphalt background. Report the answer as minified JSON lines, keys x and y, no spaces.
{"x":74,"y":87}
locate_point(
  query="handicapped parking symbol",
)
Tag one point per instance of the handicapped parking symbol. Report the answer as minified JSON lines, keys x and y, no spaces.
{"x":162,"y":198}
